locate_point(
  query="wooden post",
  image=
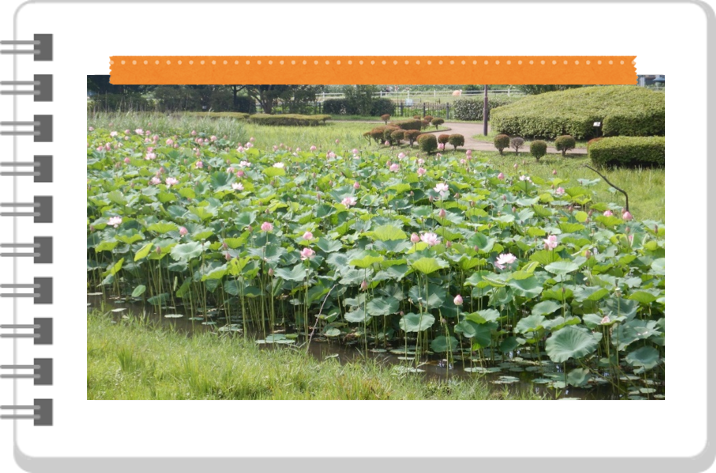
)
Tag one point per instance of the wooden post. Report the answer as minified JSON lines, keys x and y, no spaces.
{"x":485,"y":115}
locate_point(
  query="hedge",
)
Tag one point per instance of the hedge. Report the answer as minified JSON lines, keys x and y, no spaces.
{"x":235,"y":115}
{"x":381,"y":107}
{"x":472,"y":109}
{"x":624,"y":110}
{"x":338,"y":107}
{"x":407,"y":124}
{"x":378,"y":107}
{"x":289,"y":119}
{"x":629,"y":151}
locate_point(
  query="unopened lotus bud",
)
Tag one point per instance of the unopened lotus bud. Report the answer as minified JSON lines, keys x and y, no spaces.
{"x":158,"y":250}
{"x":363,"y":285}
{"x":225,"y":246}
{"x":504,"y":197}
{"x":270,"y":272}
{"x":442,"y":213}
{"x":587,"y":254}
{"x":91,"y":228}
{"x":448,"y":244}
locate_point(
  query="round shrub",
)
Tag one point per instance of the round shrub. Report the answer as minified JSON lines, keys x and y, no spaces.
{"x":592,"y":141}
{"x":437,"y":122}
{"x":629,"y":151}
{"x":397,"y":136}
{"x":538,"y":148}
{"x":385,"y":117}
{"x":377,"y":134}
{"x":564,"y":143}
{"x":517,"y":143}
{"x":428,"y":118}
{"x":387,"y":132}
{"x":424,"y":124}
{"x":502,"y":142}
{"x":407,"y":124}
{"x":456,"y":140}
{"x":416,"y":117}
{"x":428,"y":143}
{"x":443,"y":138}
{"x":411,"y":135}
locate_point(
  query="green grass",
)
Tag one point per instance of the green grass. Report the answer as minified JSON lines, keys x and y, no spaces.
{"x":138,"y":360}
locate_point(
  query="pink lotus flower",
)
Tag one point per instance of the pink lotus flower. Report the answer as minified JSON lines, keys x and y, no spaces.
{"x":401,"y":156}
{"x":442,"y":213}
{"x":298,"y":150}
{"x":313,"y":148}
{"x":193,"y":133}
{"x":331,"y":155}
{"x":438,"y":156}
{"x":349,"y":201}
{"x":355,"y":150}
{"x":155,"y":180}
{"x":442,"y":189}
{"x":414,"y":238}
{"x":554,"y":172}
{"x":627,"y":216}
{"x":469,"y":152}
{"x":458,"y":300}
{"x":356,"y":185}
{"x":249,"y":145}
{"x":515,"y":166}
{"x":525,"y":178}
{"x":501,"y":176}
{"x":244,"y":164}
{"x":463,"y":162}
{"x":115,"y":221}
{"x":266,"y":227}
{"x":605,"y":320}
{"x":239,"y":173}
{"x":430,"y":238}
{"x":240,"y":149}
{"x":364,"y":285}
{"x":279,"y":165}
{"x":559,"y":191}
{"x":421,"y":172}
{"x":139,"y":131}
{"x":213,"y":138}
{"x":150,"y":156}
{"x":127,"y":160}
{"x":252,"y":139}
{"x":308,"y":236}
{"x":183,"y":231}
{"x":230,"y":170}
{"x":91,"y":128}
{"x":199,"y":165}
{"x":608,"y":213}
{"x":237,"y":186}
{"x":338,"y":141}
{"x":394,"y":168}
{"x":550,"y":243}
{"x":505,"y":259}
{"x":441,"y":146}
{"x":113,"y":134}
{"x":307,"y":253}
{"x":170,"y":181}
{"x":170,"y":142}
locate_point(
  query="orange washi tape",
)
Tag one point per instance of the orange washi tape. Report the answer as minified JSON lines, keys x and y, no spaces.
{"x":151,"y":70}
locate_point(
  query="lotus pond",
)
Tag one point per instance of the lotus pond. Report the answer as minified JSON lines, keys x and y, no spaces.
{"x":390,"y":251}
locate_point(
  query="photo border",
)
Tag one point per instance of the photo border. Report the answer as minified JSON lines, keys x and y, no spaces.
{"x":700,"y":462}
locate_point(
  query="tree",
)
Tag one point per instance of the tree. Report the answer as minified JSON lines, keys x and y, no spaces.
{"x":540,"y":89}
{"x":360,"y":97}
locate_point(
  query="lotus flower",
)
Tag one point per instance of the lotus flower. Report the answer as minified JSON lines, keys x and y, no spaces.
{"x":313,"y":148}
{"x":394,"y":168}
{"x":559,"y":191}
{"x":150,"y":156}
{"x":430,"y":238}
{"x":421,"y":171}
{"x":364,"y":285}
{"x":237,"y":186}
{"x":501,"y":176}
{"x":155,"y":180}
{"x":266,"y":227}
{"x":356,"y":185}
{"x":458,"y":300}
{"x":349,"y":201}
{"x":183,"y":231}
{"x":199,"y":165}
{"x":244,"y":164}
{"x":441,"y":146}
{"x":442,"y":213}
{"x":442,"y":189}
{"x":193,"y":133}
{"x":627,"y":216}
{"x":307,"y":253}
{"x":139,"y":131}
{"x":421,"y":161}
{"x":170,"y":181}
{"x":401,"y":156}
{"x":279,"y":165}
{"x":525,"y":178}
{"x":608,"y":213}
{"x":170,"y":142}
{"x":605,"y":320}
{"x":331,"y":155}
{"x":414,"y":238}
{"x":505,"y":259}
{"x":127,"y":160}
{"x":115,"y":221}
{"x":550,"y":243}
{"x":308,"y":236}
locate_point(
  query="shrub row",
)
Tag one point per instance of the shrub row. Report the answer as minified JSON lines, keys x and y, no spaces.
{"x":623,"y":110}
{"x":472,"y":109}
{"x":378,"y":107}
{"x":628,"y":151}
{"x":235,"y":115}
{"x":289,"y":119}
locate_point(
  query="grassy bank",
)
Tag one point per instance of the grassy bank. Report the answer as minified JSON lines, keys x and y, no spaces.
{"x":137,"y":360}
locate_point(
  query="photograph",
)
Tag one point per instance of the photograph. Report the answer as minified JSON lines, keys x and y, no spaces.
{"x":376,"y":242}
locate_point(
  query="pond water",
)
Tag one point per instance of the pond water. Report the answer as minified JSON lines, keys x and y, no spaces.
{"x":517,"y":370}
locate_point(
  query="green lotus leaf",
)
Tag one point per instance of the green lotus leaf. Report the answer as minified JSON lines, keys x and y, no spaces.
{"x":412,"y":323}
{"x":570,"y":342}
{"x":187,"y":251}
{"x":444,"y":344}
{"x":428,"y":265}
{"x":644,"y":357}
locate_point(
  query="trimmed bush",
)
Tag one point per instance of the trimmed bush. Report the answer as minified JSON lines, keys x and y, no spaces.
{"x":592,"y":141}
{"x":437,"y":122}
{"x":472,"y":109}
{"x":629,"y":151}
{"x":428,"y":143}
{"x":502,"y":142}
{"x":338,"y":107}
{"x":385,"y":117}
{"x":234,"y":115}
{"x":388,"y":132}
{"x":407,"y":124}
{"x":623,"y":110}
{"x":382,"y":107}
{"x":428,"y":118}
{"x":517,"y":143}
{"x":538,"y":148}
{"x":443,"y":138}
{"x":289,"y":119}
{"x":412,"y":135}
{"x":424,"y":124}
{"x":377,"y":134}
{"x":397,"y":136}
{"x":564,"y":143}
{"x":416,"y":117}
{"x":456,"y":140}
